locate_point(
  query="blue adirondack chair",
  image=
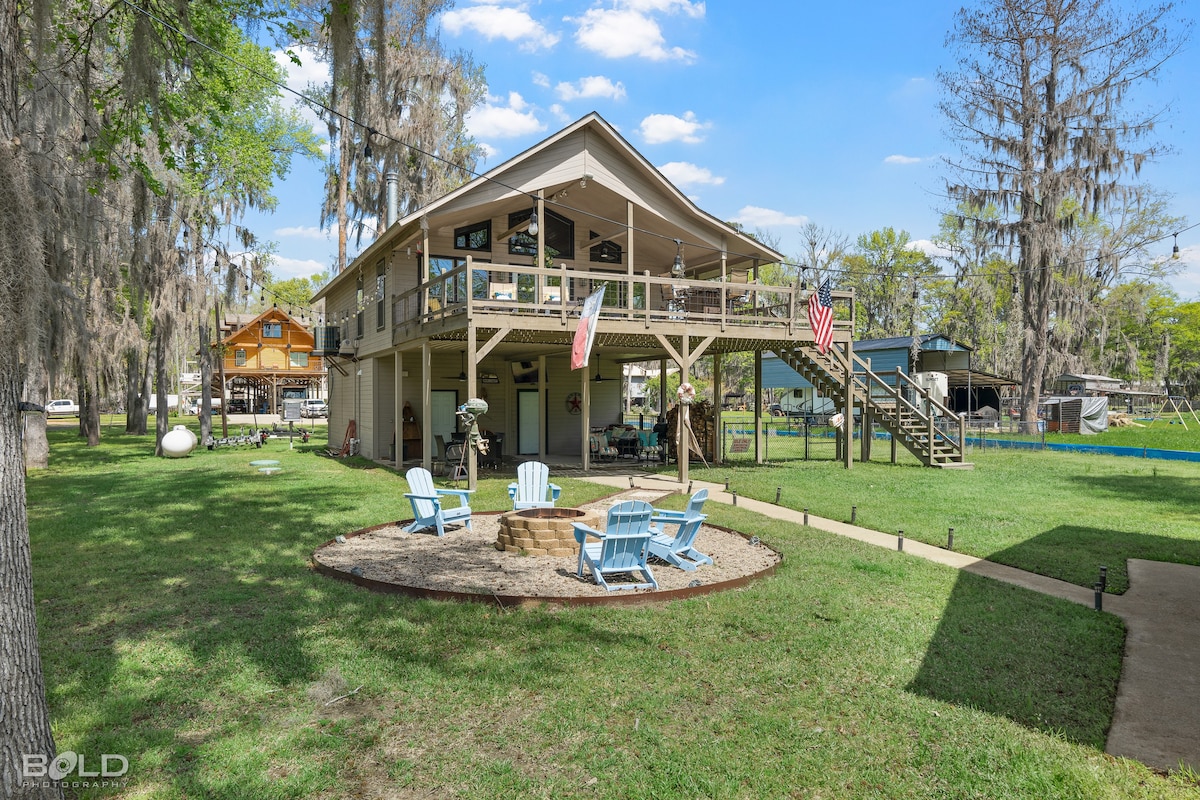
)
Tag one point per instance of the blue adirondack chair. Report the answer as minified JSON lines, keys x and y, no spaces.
{"x":622,"y":547}
{"x":678,"y":550}
{"x":427,"y":503}
{"x":663,"y":517}
{"x":533,"y":488}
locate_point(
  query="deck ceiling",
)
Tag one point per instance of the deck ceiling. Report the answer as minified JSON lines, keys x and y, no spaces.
{"x":523,"y":345}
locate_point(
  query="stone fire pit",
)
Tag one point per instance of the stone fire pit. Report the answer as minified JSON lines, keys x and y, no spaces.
{"x":543,"y":531}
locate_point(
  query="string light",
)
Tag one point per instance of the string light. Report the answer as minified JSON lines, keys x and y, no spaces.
{"x":1175,"y":249}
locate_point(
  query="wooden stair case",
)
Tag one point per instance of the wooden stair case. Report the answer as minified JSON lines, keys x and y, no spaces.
{"x":903,"y":408}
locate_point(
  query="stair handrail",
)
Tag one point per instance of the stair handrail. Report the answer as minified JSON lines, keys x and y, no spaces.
{"x":863,"y":382}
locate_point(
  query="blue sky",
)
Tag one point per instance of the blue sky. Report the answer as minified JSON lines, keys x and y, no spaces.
{"x":772,"y":113}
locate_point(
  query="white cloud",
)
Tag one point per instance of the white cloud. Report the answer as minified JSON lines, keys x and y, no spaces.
{"x":659,"y":128}
{"x":686,"y":7}
{"x":682,"y":174}
{"x":1187,"y":281}
{"x":498,"y":118}
{"x":541,"y":79}
{"x":560,"y":114}
{"x":899,"y":159}
{"x":304,"y":232}
{"x":913,"y":90}
{"x":591,"y":86}
{"x":628,"y":30}
{"x":284,"y":268}
{"x":309,"y":72}
{"x":751,"y":217}
{"x":492,"y":20}
{"x":929,"y":248}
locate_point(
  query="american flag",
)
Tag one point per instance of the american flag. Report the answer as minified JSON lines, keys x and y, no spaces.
{"x":820,"y":316}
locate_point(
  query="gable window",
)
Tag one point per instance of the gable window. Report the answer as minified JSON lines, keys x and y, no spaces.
{"x":299,"y":359}
{"x":239,"y":358}
{"x":272,"y":330}
{"x":606,"y":252}
{"x":474,"y":237}
{"x":559,"y":233}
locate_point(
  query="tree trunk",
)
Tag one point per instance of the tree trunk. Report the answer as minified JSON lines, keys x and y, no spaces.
{"x":89,"y":414}
{"x":25,"y":727}
{"x":162,"y":416}
{"x":343,"y":180}
{"x":204,"y":407}
{"x":37,"y":447}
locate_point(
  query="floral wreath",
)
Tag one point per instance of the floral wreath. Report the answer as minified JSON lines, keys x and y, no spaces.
{"x":686,"y":393}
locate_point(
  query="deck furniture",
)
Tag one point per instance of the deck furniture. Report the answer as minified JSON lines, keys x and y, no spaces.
{"x":428,"y":511}
{"x":678,"y":550}
{"x":533,"y":488}
{"x":601,"y":449}
{"x":621,"y":549}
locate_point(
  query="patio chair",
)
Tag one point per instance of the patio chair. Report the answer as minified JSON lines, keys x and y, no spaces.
{"x":427,"y":503}
{"x":503,"y":291}
{"x":601,"y":449}
{"x":664,"y":517}
{"x":622,"y":547}
{"x":678,"y":550}
{"x":452,"y":458}
{"x":649,"y":448}
{"x":532,"y":488}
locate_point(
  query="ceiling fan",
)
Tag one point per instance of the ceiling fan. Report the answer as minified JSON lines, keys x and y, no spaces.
{"x":598,"y":377}
{"x":462,"y":374}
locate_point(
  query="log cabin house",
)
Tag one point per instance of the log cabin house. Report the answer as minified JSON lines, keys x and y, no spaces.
{"x":264,"y":359}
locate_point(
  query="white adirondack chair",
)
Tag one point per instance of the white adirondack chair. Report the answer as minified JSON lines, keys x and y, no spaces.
{"x":427,"y":503}
{"x":533,"y":489}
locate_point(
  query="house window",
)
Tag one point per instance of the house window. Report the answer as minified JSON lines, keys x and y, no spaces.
{"x":606,"y":252}
{"x":272,"y":330}
{"x":558,"y":230}
{"x":299,"y":359}
{"x":455,"y":291}
{"x":239,"y":358}
{"x":380,"y":286}
{"x":474,"y":237}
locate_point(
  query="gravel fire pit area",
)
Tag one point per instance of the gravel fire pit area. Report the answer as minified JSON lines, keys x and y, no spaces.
{"x":481,"y":564}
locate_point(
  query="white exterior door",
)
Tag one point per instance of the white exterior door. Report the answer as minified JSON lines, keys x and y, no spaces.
{"x":528,"y":422}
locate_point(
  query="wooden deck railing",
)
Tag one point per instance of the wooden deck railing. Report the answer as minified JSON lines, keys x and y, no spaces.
{"x":489,"y":288}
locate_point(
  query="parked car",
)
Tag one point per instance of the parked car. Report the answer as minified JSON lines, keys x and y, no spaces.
{"x":314,"y":407}
{"x":62,"y":408}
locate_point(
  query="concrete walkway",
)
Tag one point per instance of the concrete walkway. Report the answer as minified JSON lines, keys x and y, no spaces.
{"x":1157,"y":715}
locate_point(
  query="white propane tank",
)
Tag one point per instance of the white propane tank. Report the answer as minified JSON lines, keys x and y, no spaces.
{"x":178,"y":442}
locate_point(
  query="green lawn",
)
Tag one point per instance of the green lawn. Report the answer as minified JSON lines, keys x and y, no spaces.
{"x":182,"y":627}
{"x":1058,"y":514}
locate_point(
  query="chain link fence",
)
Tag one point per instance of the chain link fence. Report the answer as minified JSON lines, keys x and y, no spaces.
{"x":784,"y":439}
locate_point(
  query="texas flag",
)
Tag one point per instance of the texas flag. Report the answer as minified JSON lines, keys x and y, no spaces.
{"x":585,"y":332}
